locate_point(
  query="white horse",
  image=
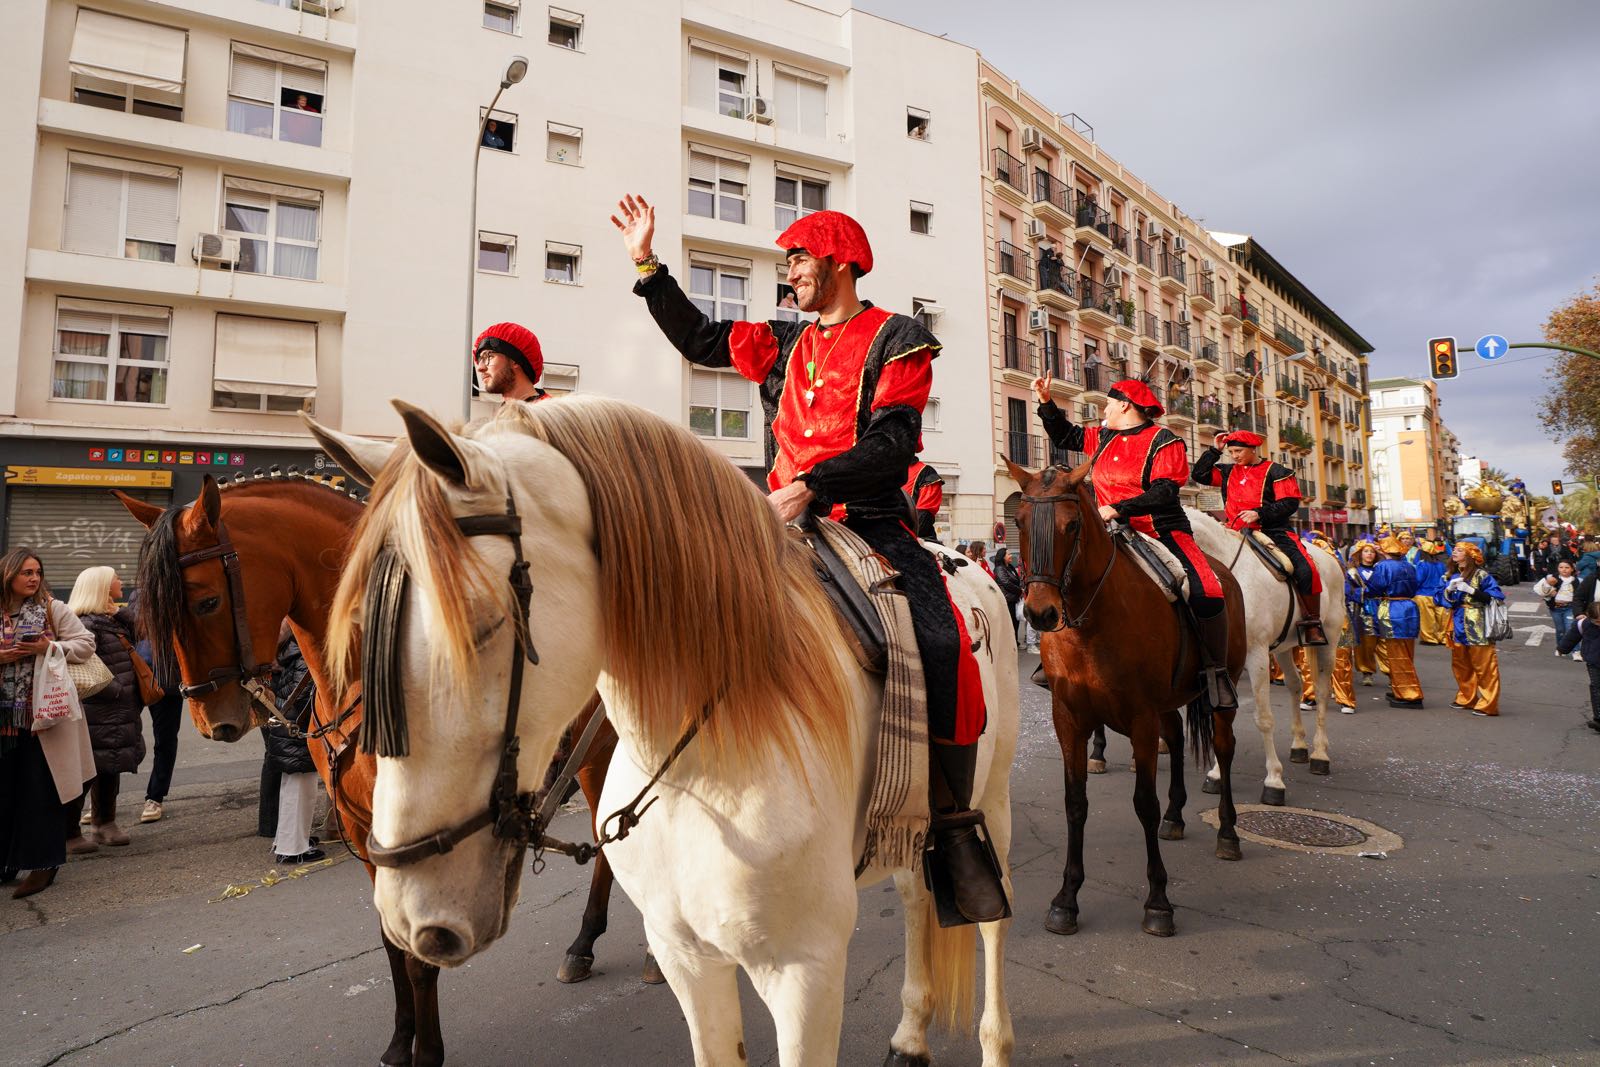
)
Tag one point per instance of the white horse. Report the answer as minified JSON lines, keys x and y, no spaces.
{"x":663,"y":577}
{"x":1270,"y":613}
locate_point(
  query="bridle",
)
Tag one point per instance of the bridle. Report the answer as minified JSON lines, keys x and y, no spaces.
{"x":1042,"y":553}
{"x":244,"y":670}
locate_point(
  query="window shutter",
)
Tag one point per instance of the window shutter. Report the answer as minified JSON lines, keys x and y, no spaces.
{"x":735,"y":172}
{"x":305,"y":79}
{"x":253,"y":78}
{"x":141,"y":325}
{"x":702,"y":78}
{"x":271,"y":356}
{"x":702,"y":167}
{"x":152,"y":209}
{"x":78,"y":321}
{"x":703,"y":389}
{"x":735,"y":392}
{"x":813,"y":107}
{"x":128,"y":51}
{"x":787,"y":101}
{"x":94,"y":211}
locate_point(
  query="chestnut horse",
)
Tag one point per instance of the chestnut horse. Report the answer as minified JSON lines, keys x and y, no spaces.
{"x":1117,"y":654}
{"x":289,"y":537}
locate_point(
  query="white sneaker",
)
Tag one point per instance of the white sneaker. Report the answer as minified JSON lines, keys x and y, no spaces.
{"x":1347,"y":710}
{"x":1577,"y":656}
{"x":151,"y":812}
{"x":1308,"y":705}
{"x":1559,"y":653}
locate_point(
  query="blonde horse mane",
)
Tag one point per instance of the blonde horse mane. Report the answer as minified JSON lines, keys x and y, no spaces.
{"x":708,"y":601}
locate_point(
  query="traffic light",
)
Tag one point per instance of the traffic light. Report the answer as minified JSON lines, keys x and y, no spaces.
{"x":1555,"y":486}
{"x":1442,"y":357}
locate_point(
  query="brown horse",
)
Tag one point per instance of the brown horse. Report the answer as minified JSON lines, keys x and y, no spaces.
{"x":1116,"y":653}
{"x":288,"y":537}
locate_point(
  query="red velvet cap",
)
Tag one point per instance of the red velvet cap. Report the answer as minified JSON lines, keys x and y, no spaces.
{"x":1137,"y":393}
{"x":830,"y":234}
{"x":1243,"y":438}
{"x":516,"y":343}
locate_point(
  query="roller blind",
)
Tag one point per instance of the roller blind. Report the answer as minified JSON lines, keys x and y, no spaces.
{"x":703,"y":389}
{"x":287,"y":192}
{"x":152,"y":209}
{"x":94,"y":211}
{"x":253,"y":79}
{"x":272,"y":356}
{"x":132,"y":166}
{"x":129,"y":51}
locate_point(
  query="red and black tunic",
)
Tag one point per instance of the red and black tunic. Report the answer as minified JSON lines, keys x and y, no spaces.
{"x":1139,"y":471}
{"x":1273,"y":493}
{"x":925,"y":488}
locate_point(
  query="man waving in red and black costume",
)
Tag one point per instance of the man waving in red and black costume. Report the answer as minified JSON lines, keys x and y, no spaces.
{"x":843,"y":397}
{"x":1138,"y":467}
{"x":1262,"y":495}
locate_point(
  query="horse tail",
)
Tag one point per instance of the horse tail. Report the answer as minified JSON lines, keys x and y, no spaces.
{"x":1201,"y":728}
{"x":952,"y":971}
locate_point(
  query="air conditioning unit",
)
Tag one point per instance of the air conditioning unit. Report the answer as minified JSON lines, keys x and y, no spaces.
{"x":1183,"y":318}
{"x":1119,"y":351}
{"x":1206,"y":266}
{"x":1031,"y":137}
{"x":1034,"y":228}
{"x":215,"y":248}
{"x":320,"y":7}
{"x":1179,"y":244}
{"x":1113,"y":277}
{"x":1154,"y":231}
{"x":1038,"y":319}
{"x":760,"y":110}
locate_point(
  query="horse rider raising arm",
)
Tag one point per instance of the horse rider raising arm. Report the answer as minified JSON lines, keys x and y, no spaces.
{"x":1262,"y":495}
{"x":843,"y":398}
{"x":1138,"y":467}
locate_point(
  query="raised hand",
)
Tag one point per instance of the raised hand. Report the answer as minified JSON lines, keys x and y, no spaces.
{"x":1041,"y":388}
{"x":637,"y":221}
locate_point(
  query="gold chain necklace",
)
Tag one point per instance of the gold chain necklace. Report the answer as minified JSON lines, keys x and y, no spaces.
{"x":813,"y":365}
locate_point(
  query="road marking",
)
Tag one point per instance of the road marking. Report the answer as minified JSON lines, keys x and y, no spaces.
{"x":1536,"y":634}
{"x":1524,"y":608}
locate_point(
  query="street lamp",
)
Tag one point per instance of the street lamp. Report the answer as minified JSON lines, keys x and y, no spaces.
{"x":516,"y":70}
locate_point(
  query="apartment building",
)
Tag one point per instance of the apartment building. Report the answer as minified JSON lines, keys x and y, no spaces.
{"x":1095,"y":277}
{"x":221,"y":214}
{"x":1409,"y":475}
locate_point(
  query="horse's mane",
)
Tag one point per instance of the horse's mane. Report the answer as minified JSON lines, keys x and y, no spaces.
{"x":163,"y":606}
{"x":708,"y":601}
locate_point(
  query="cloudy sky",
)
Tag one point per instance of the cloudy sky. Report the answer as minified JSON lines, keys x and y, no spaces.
{"x":1427,"y":167}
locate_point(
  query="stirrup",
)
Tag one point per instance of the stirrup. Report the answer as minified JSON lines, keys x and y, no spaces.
{"x":1219,"y":690}
{"x":1310,"y":633}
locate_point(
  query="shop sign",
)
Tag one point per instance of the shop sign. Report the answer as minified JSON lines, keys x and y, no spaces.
{"x":89,"y":476}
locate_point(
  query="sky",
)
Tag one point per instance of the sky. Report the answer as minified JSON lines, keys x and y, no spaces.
{"x":1426,"y":167}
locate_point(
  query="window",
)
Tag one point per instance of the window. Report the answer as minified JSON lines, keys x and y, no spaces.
{"x":788,"y":308}
{"x":566,"y":29}
{"x":277,"y":95}
{"x":278,"y":227}
{"x":563,"y":144}
{"x":919,"y":124}
{"x":801,"y":100}
{"x":559,"y":379}
{"x":499,"y":130}
{"x":717,"y":79}
{"x":921,"y":217}
{"x":500,"y":16}
{"x":113,"y":353}
{"x":126,"y":65}
{"x":267,"y":365}
{"x":497,"y":252}
{"x":718,"y":186}
{"x":722,"y":292}
{"x":796,"y":197}
{"x":120,"y":208}
{"x":563,"y":263}
{"x":926,"y":312}
{"x":930,"y":414}
{"x":720,"y":403}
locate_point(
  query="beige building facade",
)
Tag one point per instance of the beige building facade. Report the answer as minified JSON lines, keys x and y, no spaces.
{"x":1413,"y":471}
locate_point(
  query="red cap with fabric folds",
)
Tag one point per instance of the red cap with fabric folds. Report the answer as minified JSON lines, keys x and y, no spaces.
{"x":830,"y":234}
{"x":1138,"y":394}
{"x":516,"y":343}
{"x":1243,"y":438}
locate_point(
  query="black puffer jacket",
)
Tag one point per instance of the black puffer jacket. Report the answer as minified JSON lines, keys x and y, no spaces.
{"x":286,"y":752}
{"x":114,"y":712}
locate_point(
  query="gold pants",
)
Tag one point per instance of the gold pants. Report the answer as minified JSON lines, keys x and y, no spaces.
{"x":1274,"y":671}
{"x":1435,"y":620}
{"x":1308,"y":679}
{"x":1400,"y":668}
{"x":1344,"y":693}
{"x":1477,"y":671}
{"x":1366,"y":660}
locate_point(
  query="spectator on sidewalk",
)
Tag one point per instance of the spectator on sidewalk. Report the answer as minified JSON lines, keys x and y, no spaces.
{"x":289,"y":755}
{"x":1584,"y":639}
{"x":1468,"y":589}
{"x":1009,"y":579}
{"x":1588,"y":563}
{"x":166,"y":718}
{"x":115,"y":713}
{"x":975,"y":554}
{"x":1558,"y":592}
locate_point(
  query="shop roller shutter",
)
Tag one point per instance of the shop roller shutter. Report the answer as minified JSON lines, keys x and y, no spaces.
{"x":74,"y":529}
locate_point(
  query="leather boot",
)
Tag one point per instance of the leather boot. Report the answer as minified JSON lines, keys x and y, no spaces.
{"x":1215,"y":682}
{"x":961,"y":868}
{"x":1310,"y":631}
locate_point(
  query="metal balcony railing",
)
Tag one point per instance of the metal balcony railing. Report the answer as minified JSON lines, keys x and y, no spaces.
{"x":1359,"y":497}
{"x":1289,"y":337}
{"x":1175,"y":333}
{"x":1057,"y":276}
{"x":1061,"y":364}
{"x":1247,"y":365}
{"x":1119,"y":238}
{"x":1251,"y":314}
{"x":1009,"y":259}
{"x":1210,"y":411}
{"x":1206,"y":287}
{"x":1009,"y":169}
{"x":1095,"y":295}
{"x":1172,"y":266}
{"x":1208,"y":351}
{"x":1242,"y":419}
{"x":1096,"y":378}
{"x":1180,"y":404}
{"x":1048,"y":189}
{"x":1090,"y":213}
{"x":1149,"y":326}
{"x":1145,"y":253}
{"x":1024,"y":448}
{"x":1338,"y":494}
{"x":1018,"y":353}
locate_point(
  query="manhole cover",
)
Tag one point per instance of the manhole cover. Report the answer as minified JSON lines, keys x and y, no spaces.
{"x":1295,"y":828}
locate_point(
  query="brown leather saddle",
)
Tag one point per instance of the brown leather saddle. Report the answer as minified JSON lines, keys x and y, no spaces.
{"x":1270,"y":554}
{"x":861,"y":623}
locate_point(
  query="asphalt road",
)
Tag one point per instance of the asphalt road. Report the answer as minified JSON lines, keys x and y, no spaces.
{"x":1475,"y":943}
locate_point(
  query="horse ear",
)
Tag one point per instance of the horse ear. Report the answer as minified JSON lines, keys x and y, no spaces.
{"x":206,"y":509}
{"x":1080,"y":472}
{"x":1021,"y":475}
{"x":146,"y":513}
{"x":360,"y":457}
{"x":442,"y":452}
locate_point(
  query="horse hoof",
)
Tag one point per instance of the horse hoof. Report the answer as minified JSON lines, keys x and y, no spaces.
{"x":652,"y":972}
{"x":1061,"y":921}
{"x":575,"y":969}
{"x":1170,"y":831}
{"x":1211,"y":785}
{"x":1158,"y":923}
{"x":1299,"y":755}
{"x":1097,"y":766}
{"x":901,"y":1059}
{"x":1228,"y":850}
{"x":1319,"y":766}
{"x":1274,"y":795}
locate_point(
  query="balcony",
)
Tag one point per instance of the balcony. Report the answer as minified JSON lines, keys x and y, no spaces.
{"x":1024,"y":449}
{"x":1245,"y":366}
{"x":1180,"y":406}
{"x":1010,"y":176}
{"x":1358,"y":497}
{"x":1228,"y":305}
{"x":1058,"y":284}
{"x":1120,"y":240}
{"x":1097,"y":305}
{"x":1175,"y":338}
{"x":1096,"y":378}
{"x":1144,"y":258}
{"x":1250,"y":317}
{"x":1295,"y":438}
{"x":1336,"y":494}
{"x":1241,"y":419}
{"x":1093,"y":223}
{"x":1052,"y":200}
{"x":1012,"y":263}
{"x":1209,"y":410}
{"x":1021,"y":355}
{"x":1149,"y":330}
{"x":1062,"y":366}
{"x":1357,"y":459}
{"x":1207,"y":353}
{"x":1287,"y":341}
{"x":1173,"y":273}
{"x":1327,"y":408}
{"x":1204,"y":293}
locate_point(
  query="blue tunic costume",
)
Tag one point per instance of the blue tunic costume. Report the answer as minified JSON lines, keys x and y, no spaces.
{"x":1390,"y":609}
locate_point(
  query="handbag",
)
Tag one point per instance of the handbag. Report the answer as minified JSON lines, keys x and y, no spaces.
{"x":90,"y":676}
{"x":150,"y":691}
{"x":55,"y":697}
{"x":1497,"y":621}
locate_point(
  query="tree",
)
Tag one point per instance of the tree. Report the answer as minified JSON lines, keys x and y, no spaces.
{"x":1578,"y":506}
{"x":1571,"y":409}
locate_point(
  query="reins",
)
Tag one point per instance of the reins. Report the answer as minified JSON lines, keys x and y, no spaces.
{"x":245,"y":670}
{"x":1041,"y":554}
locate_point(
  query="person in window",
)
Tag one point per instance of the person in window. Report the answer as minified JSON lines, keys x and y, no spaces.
{"x":509,"y":362}
{"x":492,"y":138}
{"x":302,"y":102}
{"x":843,"y":398}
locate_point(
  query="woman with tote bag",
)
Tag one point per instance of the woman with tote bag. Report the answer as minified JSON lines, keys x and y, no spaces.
{"x":115,"y":713}
{"x":40,"y":770}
